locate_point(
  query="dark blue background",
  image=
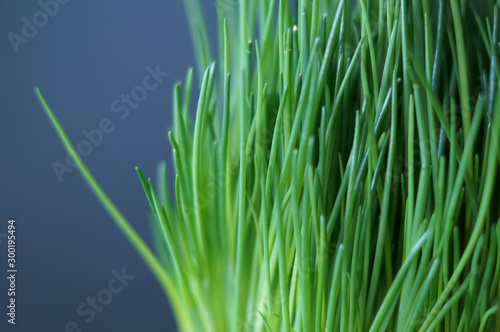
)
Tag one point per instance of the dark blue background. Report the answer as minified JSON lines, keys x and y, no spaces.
{"x":86,"y":56}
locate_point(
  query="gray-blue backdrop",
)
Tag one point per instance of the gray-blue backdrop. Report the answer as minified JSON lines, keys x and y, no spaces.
{"x":86,"y":56}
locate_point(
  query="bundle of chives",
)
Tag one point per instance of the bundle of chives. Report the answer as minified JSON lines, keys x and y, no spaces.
{"x":340,"y":174}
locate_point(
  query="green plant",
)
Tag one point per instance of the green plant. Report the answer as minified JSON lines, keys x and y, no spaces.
{"x":340,"y":174}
